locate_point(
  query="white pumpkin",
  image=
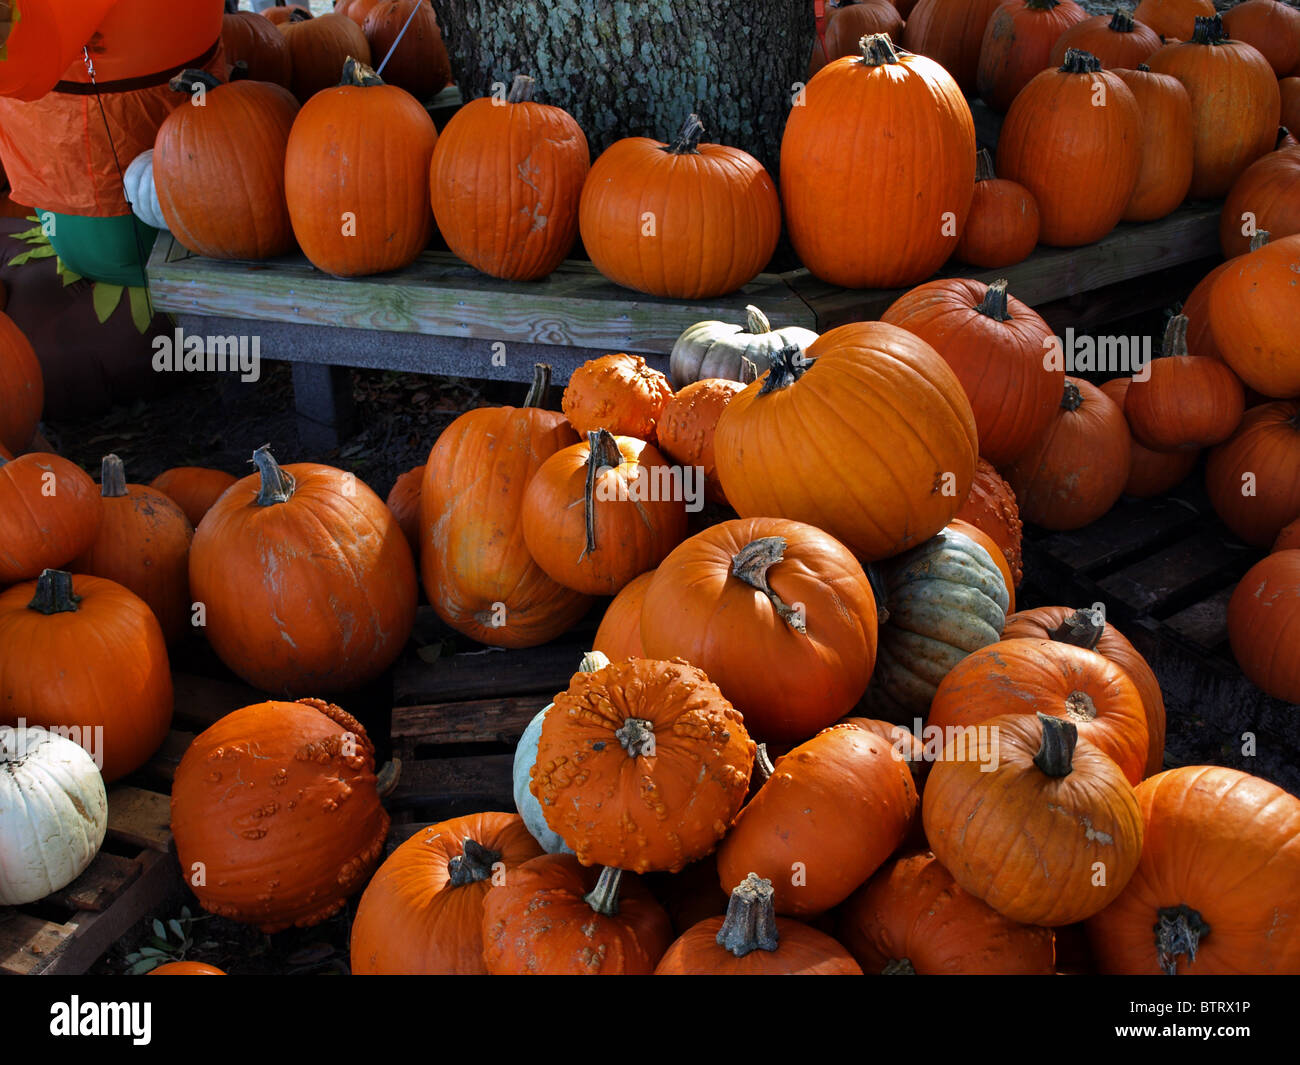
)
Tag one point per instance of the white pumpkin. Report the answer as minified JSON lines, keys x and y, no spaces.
{"x":526,"y":756}
{"x":53,"y":813}
{"x":141,"y":192}
{"x":732,"y":352}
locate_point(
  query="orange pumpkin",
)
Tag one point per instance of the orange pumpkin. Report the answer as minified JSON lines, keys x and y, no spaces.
{"x":950,"y":32}
{"x":1173,"y":18}
{"x":49,"y":514}
{"x":259,"y":45}
{"x":1002,"y":227}
{"x":855,"y":19}
{"x":404,"y":501}
{"x":991,"y":507}
{"x":1252,"y":305}
{"x":1273,"y":28}
{"x":1150,"y":473}
{"x":1290,"y":89}
{"x":688,"y":424}
{"x":22,"y":387}
{"x":1168,"y":144}
{"x":619,"y":634}
{"x":619,"y":393}
{"x":1017,"y":44}
{"x":193,"y":488}
{"x":418,"y":62}
{"x":281,"y":12}
{"x":1263,"y":619}
{"x":1254,"y":478}
{"x":1120,"y":42}
{"x":187,"y":968}
{"x":1288,"y":538}
{"x":318,"y":48}
{"x":1264,"y":197}
{"x":1200,"y":334}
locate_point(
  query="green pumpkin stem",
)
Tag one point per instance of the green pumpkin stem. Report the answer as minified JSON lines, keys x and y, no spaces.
{"x":299,"y":16}
{"x":1080,"y":628}
{"x":994,"y":303}
{"x":1073,"y":397}
{"x":984,"y":166}
{"x":1208,"y":30}
{"x":521,"y":90}
{"x":751,"y":564}
{"x":688,"y":140}
{"x":112,"y":478}
{"x":1261,"y":237}
{"x":540,"y":390}
{"x":898,"y":967}
{"x":239,"y":71}
{"x":604,"y":455}
{"x":1121,"y":21}
{"x":1055,"y":755}
{"x":472,"y":865}
{"x":54,"y":594}
{"x":1179,"y":930}
{"x":750,"y":923}
{"x":637,"y":737}
{"x":387,"y":778}
{"x":603,"y":898}
{"x":763,"y":763}
{"x":877,"y":50}
{"x":788,"y":365}
{"x":1175,"y":342}
{"x":277,"y":484}
{"x":756,"y":322}
{"x":1077,"y":61}
{"x":358,"y":73}
{"x":190,"y":80}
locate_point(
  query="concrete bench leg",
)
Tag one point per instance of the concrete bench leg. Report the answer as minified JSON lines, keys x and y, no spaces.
{"x":322,"y":398}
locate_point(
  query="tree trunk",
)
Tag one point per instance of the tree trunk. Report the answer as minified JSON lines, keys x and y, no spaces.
{"x":640,"y":69}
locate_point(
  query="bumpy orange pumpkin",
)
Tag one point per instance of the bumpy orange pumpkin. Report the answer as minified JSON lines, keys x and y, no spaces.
{"x":193,"y":488}
{"x":1263,"y":619}
{"x":422,"y":913}
{"x":991,"y":507}
{"x":276,"y":813}
{"x":687,"y":428}
{"x":619,"y":634}
{"x":22,"y":387}
{"x":49,"y":514}
{"x":619,"y":393}
{"x":642,"y":765}
{"x":1254,"y":478}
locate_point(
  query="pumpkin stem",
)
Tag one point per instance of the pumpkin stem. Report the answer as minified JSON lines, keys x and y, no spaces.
{"x":898,"y":967}
{"x":521,"y":90}
{"x":1080,"y":628}
{"x":750,"y":923}
{"x":356,"y":72}
{"x":1055,"y":756}
{"x":756,"y":321}
{"x":1042,"y":5}
{"x":994,"y":303}
{"x":1077,"y":61}
{"x":604,"y":455}
{"x":637,"y":737}
{"x":1261,"y":237}
{"x":239,"y":71}
{"x":763,"y":762}
{"x":112,"y":478}
{"x":603,"y":898}
{"x":1208,"y":30}
{"x":1143,"y":67}
{"x":277,"y":484}
{"x":1079,"y":705}
{"x":984,"y":166}
{"x":688,"y":140}
{"x":1179,"y":930}
{"x":1282,"y":134}
{"x":473,"y":864}
{"x":593,"y":662}
{"x":1073,"y":397}
{"x":1175,"y":342}
{"x":299,"y":16}
{"x":1121,"y":21}
{"x":877,"y":50}
{"x":54,"y":594}
{"x":540,"y":390}
{"x":787,"y":366}
{"x":387,"y":778}
{"x":751,"y":564}
{"x":748,"y":370}
{"x":190,"y":80}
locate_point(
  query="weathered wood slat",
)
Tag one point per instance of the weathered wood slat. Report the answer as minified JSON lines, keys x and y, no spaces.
{"x":488,"y":672}
{"x":161,"y":767}
{"x":1179,"y":574}
{"x":102,"y":882}
{"x":28,"y":944}
{"x":141,"y":818}
{"x":476,"y":721}
{"x":486,"y":778}
{"x":1132,"y":525}
{"x":1204,"y":624}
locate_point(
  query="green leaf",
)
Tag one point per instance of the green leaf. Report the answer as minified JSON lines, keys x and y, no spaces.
{"x":141,"y":308}
{"x":154,"y":952}
{"x":142,"y":967}
{"x":185,"y":912}
{"x":175,"y":926}
{"x":158,"y":928}
{"x":38,"y":233}
{"x":106,"y":298}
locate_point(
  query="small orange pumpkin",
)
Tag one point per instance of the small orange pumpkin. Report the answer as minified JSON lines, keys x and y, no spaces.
{"x":619,"y":393}
{"x":193,"y":488}
{"x":687,"y":427}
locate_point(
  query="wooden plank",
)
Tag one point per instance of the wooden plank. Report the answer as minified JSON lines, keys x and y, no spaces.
{"x":107,"y":877}
{"x":161,"y":767}
{"x":1180,"y":573}
{"x":1132,"y":525}
{"x":1204,"y":624}
{"x":476,"y":721}
{"x":28,"y":944}
{"x":438,"y":780}
{"x":202,"y":701}
{"x":488,"y":672}
{"x":139,"y":817}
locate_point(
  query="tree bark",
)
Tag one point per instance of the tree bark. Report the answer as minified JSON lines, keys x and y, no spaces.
{"x":640,"y":69}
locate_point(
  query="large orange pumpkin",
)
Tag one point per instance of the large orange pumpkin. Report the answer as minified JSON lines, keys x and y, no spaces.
{"x":1168,"y":144}
{"x":723,"y":600}
{"x":855,"y":19}
{"x":193,"y":488}
{"x":1271,"y":27}
{"x":1218,"y":888}
{"x":1120,"y":42}
{"x":950,"y":32}
{"x":1253,"y":307}
{"x":991,"y":507}
{"x":22,"y":387}
{"x":276,"y":814}
{"x":1017,"y":44}
{"x":908,"y":116}
{"x":873,"y":400}
{"x":505,"y":180}
{"x":475,"y":565}
{"x":306,"y":580}
{"x":318,"y":48}
{"x":1264,"y":624}
{"x":1002,"y":227}
{"x":84,"y":653}
{"x":49,"y":514}
{"x":1254,"y":477}
{"x":1173,"y":18}
{"x":250,"y":39}
{"x":422,"y":912}
{"x":619,"y":634}
{"x":620,"y":393}
{"x":1266,"y":196}
{"x":405,"y":33}
{"x":1200,"y":334}
{"x":1288,"y":538}
{"x":642,"y":765}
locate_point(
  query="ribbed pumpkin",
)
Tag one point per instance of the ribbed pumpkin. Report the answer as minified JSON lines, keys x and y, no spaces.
{"x":979,"y":536}
{"x":404,"y":501}
{"x":1090,"y":630}
{"x":1218,"y":887}
{"x":1002,"y":227}
{"x":1028,"y":676}
{"x":306,"y":580}
{"x":474,"y":564}
{"x":687,"y":428}
{"x":357,"y":176}
{"x":1288,"y":538}
{"x":505,"y":181}
{"x":419,"y":63}
{"x":1117,"y":40}
{"x":940,"y":602}
{"x":991,"y":507}
{"x":1200,"y":334}
{"x":422,"y":913}
{"x":276,"y":814}
{"x":831,"y":813}
{"x":1031,"y":835}
{"x":1017,"y":44}
{"x":1254,"y":478}
{"x":1290,"y":88}
{"x":22,"y":387}
{"x":752,"y":941}
{"x":87,"y":654}
{"x":855,"y":19}
{"x":619,"y":393}
{"x":1265,"y":196}
{"x":950,"y":32}
{"x":553,"y":917}
{"x":356,"y":10}
{"x":1271,"y":27}
{"x":1236,"y":103}
{"x":49,"y":514}
{"x":318,"y":48}
{"x":688,"y":219}
{"x":730,"y":351}
{"x":901,"y":424}
{"x":193,"y":488}
{"x":908,"y":116}
{"x":1078,"y":469}
{"x":1079,"y":160}
{"x":281,"y":12}
{"x":143,"y":543}
{"x":599,"y":513}
{"x":218,"y":167}
{"x":1263,"y":622}
{"x":995,"y":344}
{"x":665,"y":765}
{"x":619,"y":634}
{"x":1168,"y":144}
{"x":254,"y":41}
{"x":913,"y":918}
{"x":1253,"y":307}
{"x":723,"y":601}
{"x":1150,"y":473}
{"x":1173,"y":18}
